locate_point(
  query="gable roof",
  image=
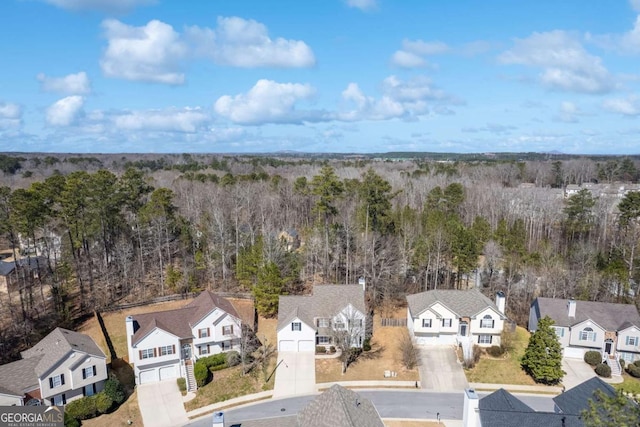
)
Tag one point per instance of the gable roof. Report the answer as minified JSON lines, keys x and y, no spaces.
{"x":179,"y":322}
{"x":611,"y":316}
{"x":339,"y":406}
{"x":504,"y":401}
{"x":55,"y":346}
{"x":576,"y":399}
{"x":325,"y":301}
{"x":465,"y":303}
{"x":20,"y":376}
{"x":7,"y":267}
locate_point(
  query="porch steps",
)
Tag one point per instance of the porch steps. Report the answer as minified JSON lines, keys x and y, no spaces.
{"x":616,"y":369}
{"x":191,"y":378}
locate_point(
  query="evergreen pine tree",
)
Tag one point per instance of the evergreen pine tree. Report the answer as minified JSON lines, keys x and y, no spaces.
{"x":543,"y":357}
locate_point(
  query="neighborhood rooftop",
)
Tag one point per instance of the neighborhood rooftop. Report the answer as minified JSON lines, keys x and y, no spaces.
{"x":465,"y":303}
{"x":610,"y":316}
{"x":325,"y":301}
{"x":18,"y":377}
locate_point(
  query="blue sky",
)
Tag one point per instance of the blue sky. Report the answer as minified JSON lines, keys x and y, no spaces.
{"x":320,"y":76}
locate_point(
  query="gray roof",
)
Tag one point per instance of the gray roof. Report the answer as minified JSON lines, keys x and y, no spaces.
{"x":612,"y":317}
{"x":576,"y":399}
{"x":55,"y":346}
{"x":7,"y":267}
{"x":179,"y":322}
{"x":502,"y":400}
{"x":465,"y":303}
{"x":325,"y":301}
{"x":339,"y":406}
{"x":18,"y":377}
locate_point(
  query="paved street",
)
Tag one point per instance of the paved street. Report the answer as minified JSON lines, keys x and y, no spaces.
{"x":440,"y":370}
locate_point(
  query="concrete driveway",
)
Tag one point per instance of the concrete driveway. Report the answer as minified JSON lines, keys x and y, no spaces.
{"x":161,"y":404}
{"x":295,"y":374}
{"x":440,"y":370}
{"x":577,"y":371}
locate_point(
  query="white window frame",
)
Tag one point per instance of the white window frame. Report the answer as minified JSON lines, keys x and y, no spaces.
{"x":166,"y":350}
{"x":482,"y":339}
{"x":226,"y":345}
{"x":147,"y":353}
{"x":296,"y":326}
{"x":426,"y":323}
{"x":447,"y":323}
{"x":587,"y":334}
{"x":88,"y":372}
{"x":57,"y":380}
{"x":323,"y":322}
{"x":632,"y":340}
{"x":203,"y":333}
{"x":339,"y":325}
{"x":227,"y":330}
{"x":559,"y":331}
{"x":324,"y":340}
{"x":487,"y":322}
{"x":203,"y":349}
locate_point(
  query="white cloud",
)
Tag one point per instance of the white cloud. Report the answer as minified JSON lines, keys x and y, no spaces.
{"x":565,"y":64}
{"x":629,"y":106}
{"x":269,"y":102}
{"x":368,"y":108}
{"x":413,"y":51}
{"x":10,"y":116}
{"x":246,"y":43}
{"x":403,"y":59}
{"x":568,"y":113}
{"x":65,"y":111}
{"x":149,"y":53}
{"x":187,"y":120}
{"x":635,"y":5}
{"x":363,"y":4}
{"x":72,"y":84}
{"x":103,"y":5}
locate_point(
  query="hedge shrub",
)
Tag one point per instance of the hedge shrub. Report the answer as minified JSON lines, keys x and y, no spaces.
{"x":634,"y":370}
{"x":233,"y":358}
{"x":593,"y":358}
{"x":603,"y":370}
{"x":103,"y":403}
{"x":201,"y":372}
{"x":321,"y":349}
{"x":69,"y":421}
{"x":495,"y":351}
{"x":182,"y":384}
{"x":113,"y":388}
{"x":82,"y":408}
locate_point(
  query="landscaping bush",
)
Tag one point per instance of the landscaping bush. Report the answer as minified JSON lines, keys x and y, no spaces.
{"x":214,"y":360}
{"x":103,"y":403}
{"x":622,"y":363}
{"x":366,"y":345}
{"x":332,"y":349}
{"x":634,"y":370}
{"x":320,"y":349}
{"x":593,"y":358}
{"x":82,"y":408}
{"x":182,"y":385}
{"x":201,"y":372}
{"x":113,"y":388}
{"x":603,"y":370}
{"x":233,"y":359}
{"x":69,"y":421}
{"x":495,"y":351}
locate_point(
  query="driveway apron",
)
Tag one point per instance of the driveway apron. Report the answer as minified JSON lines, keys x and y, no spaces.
{"x":440,"y":370}
{"x":576,"y":372}
{"x":295,"y":374}
{"x":161,"y":404}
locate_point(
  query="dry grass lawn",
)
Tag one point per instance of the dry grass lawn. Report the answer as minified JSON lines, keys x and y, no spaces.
{"x":384,"y":356}
{"x":506,"y":370}
{"x":128,"y":411}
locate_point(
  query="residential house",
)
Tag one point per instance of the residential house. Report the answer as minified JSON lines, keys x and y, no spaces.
{"x":64,"y":366}
{"x":165,"y":344}
{"x":290,"y":239}
{"x":502,"y":409}
{"x":331,"y":311}
{"x":455,"y":316}
{"x":337,"y":406}
{"x":13,"y":271}
{"x":612,"y":329}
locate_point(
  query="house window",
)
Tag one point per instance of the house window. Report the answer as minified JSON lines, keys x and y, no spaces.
{"x":89,"y":390}
{"x":203,"y":349}
{"x":559,"y":331}
{"x":426,"y":323}
{"x":356,"y":323}
{"x":485,"y":339}
{"x":324,"y":323}
{"x":339,"y":325}
{"x":56,"y":381}
{"x":203,"y":333}
{"x":59,"y":400}
{"x":628,"y":357}
{"x":487,"y":322}
{"x":446,"y":323}
{"x":587,"y":334}
{"x":324,"y":340}
{"x":296,"y":326}
{"x":226,"y":345}
{"x":633,"y":341}
{"x":167,"y":350}
{"x":147,"y":353}
{"x":88,"y":372}
{"x":227,"y":330}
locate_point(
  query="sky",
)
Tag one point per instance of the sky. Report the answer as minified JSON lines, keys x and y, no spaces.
{"x":340,"y":76}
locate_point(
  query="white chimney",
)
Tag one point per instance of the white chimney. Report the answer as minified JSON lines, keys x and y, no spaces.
{"x":470,"y":414}
{"x":218,"y":419}
{"x":362,"y":283}
{"x":129,"y":327}
{"x":571,"y":308}
{"x":500,"y":301}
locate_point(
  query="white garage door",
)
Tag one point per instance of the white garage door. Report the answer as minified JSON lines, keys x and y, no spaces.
{"x":287,"y":345}
{"x":574,"y":353}
{"x":306,"y":345}
{"x":149,"y":376}
{"x":168,"y":372}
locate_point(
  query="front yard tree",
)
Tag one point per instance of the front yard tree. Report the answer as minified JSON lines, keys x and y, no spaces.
{"x":543,"y":357}
{"x":348,"y":337}
{"x":268,"y":290}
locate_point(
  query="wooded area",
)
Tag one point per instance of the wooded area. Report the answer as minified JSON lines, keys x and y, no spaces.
{"x":116,"y":228}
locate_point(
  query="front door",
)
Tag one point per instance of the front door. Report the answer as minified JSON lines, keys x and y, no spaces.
{"x":463,"y":329}
{"x":607,"y":346}
{"x":186,"y":351}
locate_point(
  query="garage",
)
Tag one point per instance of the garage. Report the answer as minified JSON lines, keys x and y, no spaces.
{"x":287,"y":345}
{"x":148,"y":376}
{"x":573,"y":352}
{"x":168,"y":373}
{"x":304,"y":345}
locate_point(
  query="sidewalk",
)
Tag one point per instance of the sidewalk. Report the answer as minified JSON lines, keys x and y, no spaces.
{"x":372,"y":384}
{"x":250,"y":398}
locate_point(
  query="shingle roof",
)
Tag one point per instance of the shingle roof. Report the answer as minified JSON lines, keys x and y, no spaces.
{"x":502,"y":400}
{"x":7,"y":267}
{"x":18,"y":377}
{"x":465,"y":303}
{"x":325,"y":301}
{"x":179,"y":322}
{"x":339,"y":406}
{"x":612,"y":317}
{"x":52,"y":348}
{"x":576,"y":399}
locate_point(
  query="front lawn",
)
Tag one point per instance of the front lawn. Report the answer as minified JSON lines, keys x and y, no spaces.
{"x":630,"y":384}
{"x":506,"y":370}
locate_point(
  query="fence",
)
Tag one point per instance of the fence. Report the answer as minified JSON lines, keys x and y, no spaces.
{"x":393,"y":322}
{"x":116,"y":307}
